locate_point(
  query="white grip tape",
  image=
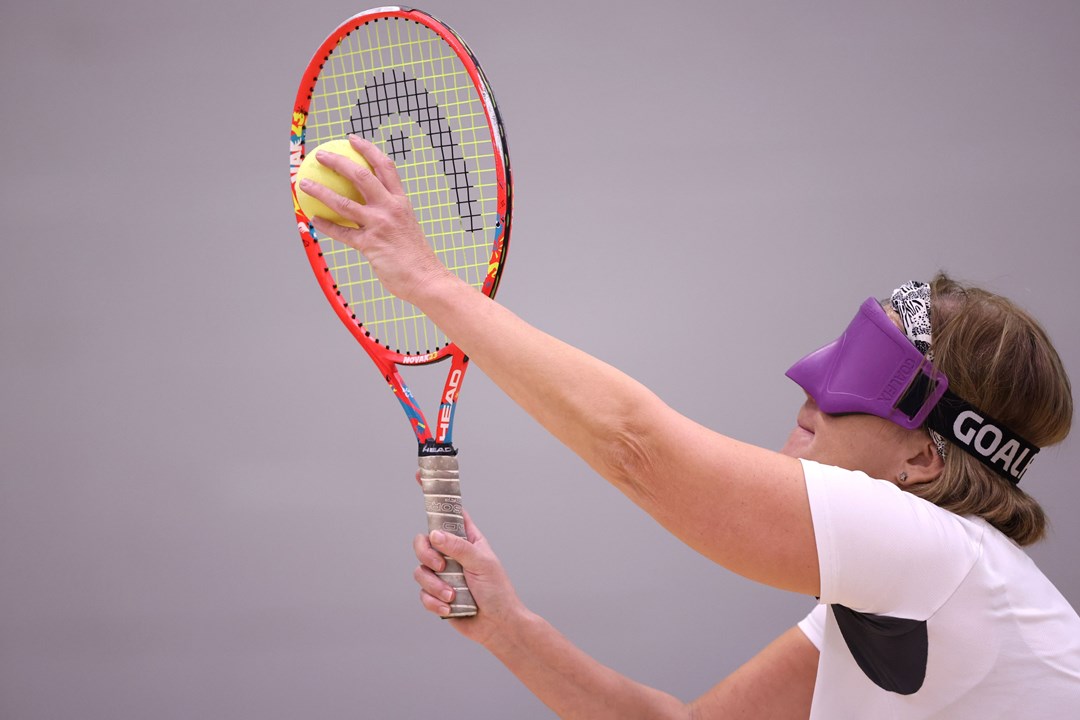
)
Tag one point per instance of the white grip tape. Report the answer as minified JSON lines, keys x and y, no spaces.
{"x":442,"y":501}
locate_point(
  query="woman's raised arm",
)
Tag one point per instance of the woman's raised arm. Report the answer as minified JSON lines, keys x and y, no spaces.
{"x":742,"y":506}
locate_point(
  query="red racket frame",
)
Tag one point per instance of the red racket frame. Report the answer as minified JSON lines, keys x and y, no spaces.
{"x":437,"y":440}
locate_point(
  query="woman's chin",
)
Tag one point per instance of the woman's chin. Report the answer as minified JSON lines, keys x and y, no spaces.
{"x":798,"y":443}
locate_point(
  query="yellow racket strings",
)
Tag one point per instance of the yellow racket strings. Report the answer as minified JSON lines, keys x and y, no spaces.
{"x":397,"y":83}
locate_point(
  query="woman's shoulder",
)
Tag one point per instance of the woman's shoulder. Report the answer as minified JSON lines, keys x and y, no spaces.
{"x":873,"y":500}
{"x":882,"y":550}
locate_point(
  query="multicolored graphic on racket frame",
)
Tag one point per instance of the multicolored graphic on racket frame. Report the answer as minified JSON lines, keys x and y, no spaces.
{"x":407,"y":82}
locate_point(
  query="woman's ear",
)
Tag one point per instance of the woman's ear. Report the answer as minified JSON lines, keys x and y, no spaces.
{"x":924,"y":464}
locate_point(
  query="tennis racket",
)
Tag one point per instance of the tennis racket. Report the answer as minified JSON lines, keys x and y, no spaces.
{"x":407,"y":82}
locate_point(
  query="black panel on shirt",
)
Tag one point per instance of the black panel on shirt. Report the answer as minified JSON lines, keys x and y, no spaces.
{"x":890,"y":651}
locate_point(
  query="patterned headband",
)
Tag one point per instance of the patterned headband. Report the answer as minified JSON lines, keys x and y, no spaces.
{"x":912,"y":302}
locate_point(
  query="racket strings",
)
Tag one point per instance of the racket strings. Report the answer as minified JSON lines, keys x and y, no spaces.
{"x":397,"y":93}
{"x":397,"y":83}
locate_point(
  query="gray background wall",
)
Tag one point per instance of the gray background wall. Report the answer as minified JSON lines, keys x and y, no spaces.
{"x":206,"y":503}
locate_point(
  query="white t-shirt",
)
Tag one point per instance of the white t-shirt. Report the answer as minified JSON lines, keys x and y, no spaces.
{"x":926,"y":614}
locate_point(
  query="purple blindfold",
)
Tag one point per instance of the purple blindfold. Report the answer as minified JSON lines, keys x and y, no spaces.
{"x":873,"y":368}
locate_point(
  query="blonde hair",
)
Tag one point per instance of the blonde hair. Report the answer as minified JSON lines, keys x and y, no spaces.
{"x":999,"y":359}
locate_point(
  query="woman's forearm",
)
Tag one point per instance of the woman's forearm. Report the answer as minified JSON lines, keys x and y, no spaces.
{"x":562,"y":676}
{"x":593,"y":408}
{"x":570,"y":682}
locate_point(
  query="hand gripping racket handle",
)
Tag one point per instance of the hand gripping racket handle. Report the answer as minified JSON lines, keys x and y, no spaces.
{"x":442,"y":500}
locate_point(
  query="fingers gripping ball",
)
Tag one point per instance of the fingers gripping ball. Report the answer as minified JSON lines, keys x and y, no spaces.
{"x":311,"y":169}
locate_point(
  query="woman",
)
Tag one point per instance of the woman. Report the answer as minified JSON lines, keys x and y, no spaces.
{"x":928,"y":608}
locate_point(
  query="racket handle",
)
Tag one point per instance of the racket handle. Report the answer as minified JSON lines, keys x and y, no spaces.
{"x":442,"y":500}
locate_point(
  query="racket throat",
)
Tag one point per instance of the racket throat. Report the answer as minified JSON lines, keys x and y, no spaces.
{"x":434,"y":448}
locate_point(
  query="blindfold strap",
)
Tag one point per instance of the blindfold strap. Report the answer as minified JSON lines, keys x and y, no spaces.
{"x":983,"y":437}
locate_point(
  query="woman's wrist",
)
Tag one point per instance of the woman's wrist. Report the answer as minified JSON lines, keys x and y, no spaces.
{"x":513,"y":630}
{"x":435,"y":288}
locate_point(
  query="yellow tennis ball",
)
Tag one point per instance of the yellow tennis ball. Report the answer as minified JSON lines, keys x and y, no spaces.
{"x":312,"y":169}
